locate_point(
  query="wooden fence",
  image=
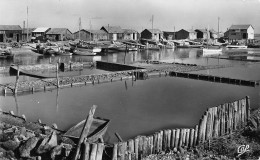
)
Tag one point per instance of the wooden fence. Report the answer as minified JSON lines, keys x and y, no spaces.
{"x":215,"y":122}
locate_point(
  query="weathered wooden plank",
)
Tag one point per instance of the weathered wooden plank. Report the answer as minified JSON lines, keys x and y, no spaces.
{"x":115,"y":152}
{"x":169,"y":132}
{"x":177,"y":138}
{"x":196,"y":135}
{"x":173,"y":138}
{"x":136,"y":147}
{"x":85,"y":130}
{"x":187,"y":137}
{"x":93,"y":152}
{"x":192,"y":132}
{"x":100,"y":148}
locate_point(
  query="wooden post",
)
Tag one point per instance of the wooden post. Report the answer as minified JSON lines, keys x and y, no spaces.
{"x":85,"y":154}
{"x":173,"y":138}
{"x":196,"y":135}
{"x":118,"y":137}
{"x":115,"y":152}
{"x":192,"y":132}
{"x":136,"y":147}
{"x":121,"y":151}
{"x":85,"y":130}
{"x":140,"y":146}
{"x":100,"y":148}
{"x":155,"y":139}
{"x":169,"y":132}
{"x":164,"y":146}
{"x":17,"y":79}
{"x":209,"y":125}
{"x":187,"y":137}
{"x":184,"y":137}
{"x":247,"y":107}
{"x":177,"y":138}
{"x":131,"y":149}
{"x":57,"y":75}
{"x":161,"y":140}
{"x":93,"y":153}
{"x":181,"y":137}
{"x":145,"y":146}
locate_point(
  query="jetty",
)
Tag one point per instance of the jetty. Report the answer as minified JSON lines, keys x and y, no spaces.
{"x":138,"y":71}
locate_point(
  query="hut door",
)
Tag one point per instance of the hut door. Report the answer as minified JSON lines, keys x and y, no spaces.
{"x":1,"y":38}
{"x":17,"y":37}
{"x":244,"y":35}
{"x":133,"y":36}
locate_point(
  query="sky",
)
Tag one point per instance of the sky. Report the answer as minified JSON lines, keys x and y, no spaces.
{"x":169,"y":15}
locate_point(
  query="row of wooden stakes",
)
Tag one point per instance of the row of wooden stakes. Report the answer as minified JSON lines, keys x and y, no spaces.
{"x":216,"y":122}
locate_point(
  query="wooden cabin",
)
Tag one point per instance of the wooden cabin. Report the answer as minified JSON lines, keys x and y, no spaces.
{"x":91,"y":35}
{"x":59,"y":34}
{"x":186,"y":34}
{"x":114,"y":32}
{"x":154,"y":34}
{"x":24,"y":34}
{"x":241,"y":32}
{"x":202,"y":33}
{"x":10,"y":33}
{"x":130,"y":34}
{"x":40,"y":33}
{"x":169,"y":35}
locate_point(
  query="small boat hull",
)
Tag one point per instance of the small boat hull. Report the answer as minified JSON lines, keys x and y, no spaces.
{"x":97,"y":130}
{"x":84,"y":52}
{"x":211,"y":52}
{"x":236,"y":46}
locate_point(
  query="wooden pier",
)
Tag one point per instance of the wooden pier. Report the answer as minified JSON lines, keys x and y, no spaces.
{"x":215,"y":122}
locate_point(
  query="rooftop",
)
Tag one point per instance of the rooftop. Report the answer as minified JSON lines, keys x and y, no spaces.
{"x":113,"y":29}
{"x":41,"y":29}
{"x":57,"y":31}
{"x":10,"y":27}
{"x":241,"y":26}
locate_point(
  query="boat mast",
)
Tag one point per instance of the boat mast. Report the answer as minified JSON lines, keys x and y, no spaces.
{"x":152,"y":26}
{"x":27,"y":26}
{"x":208,"y":37}
{"x":218,"y":27}
{"x":79,"y":26}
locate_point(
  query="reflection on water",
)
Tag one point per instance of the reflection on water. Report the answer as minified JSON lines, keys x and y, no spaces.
{"x":135,"y":107}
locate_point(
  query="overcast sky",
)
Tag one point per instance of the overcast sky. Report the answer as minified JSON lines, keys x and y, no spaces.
{"x":132,"y":14}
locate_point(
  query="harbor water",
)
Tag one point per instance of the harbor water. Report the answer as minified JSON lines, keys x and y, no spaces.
{"x":136,"y":107}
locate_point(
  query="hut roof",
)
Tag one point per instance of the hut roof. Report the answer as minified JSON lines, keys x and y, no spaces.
{"x":129,"y":31}
{"x":10,"y":27}
{"x":41,"y":29}
{"x":202,"y":30}
{"x":57,"y":31}
{"x":113,"y":29}
{"x":154,"y":30}
{"x":96,"y":31}
{"x":241,"y":26}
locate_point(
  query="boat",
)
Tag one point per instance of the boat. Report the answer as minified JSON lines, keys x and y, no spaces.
{"x":190,"y":46}
{"x":6,"y":53}
{"x":83,"y":52}
{"x":64,"y":51}
{"x":14,"y":69}
{"x":237,"y":46}
{"x":88,"y":47}
{"x":210,"y":51}
{"x":97,"y":130}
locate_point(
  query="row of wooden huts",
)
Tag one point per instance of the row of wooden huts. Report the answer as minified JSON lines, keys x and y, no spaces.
{"x":16,"y":33}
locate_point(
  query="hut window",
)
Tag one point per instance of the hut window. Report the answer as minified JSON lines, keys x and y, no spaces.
{"x":11,"y":35}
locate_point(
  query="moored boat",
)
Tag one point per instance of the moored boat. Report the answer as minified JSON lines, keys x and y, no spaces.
{"x":97,"y":130}
{"x":83,"y":52}
{"x":237,"y":46}
{"x":211,"y":51}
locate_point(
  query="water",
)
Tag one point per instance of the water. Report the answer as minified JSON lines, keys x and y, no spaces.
{"x":136,"y":107}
